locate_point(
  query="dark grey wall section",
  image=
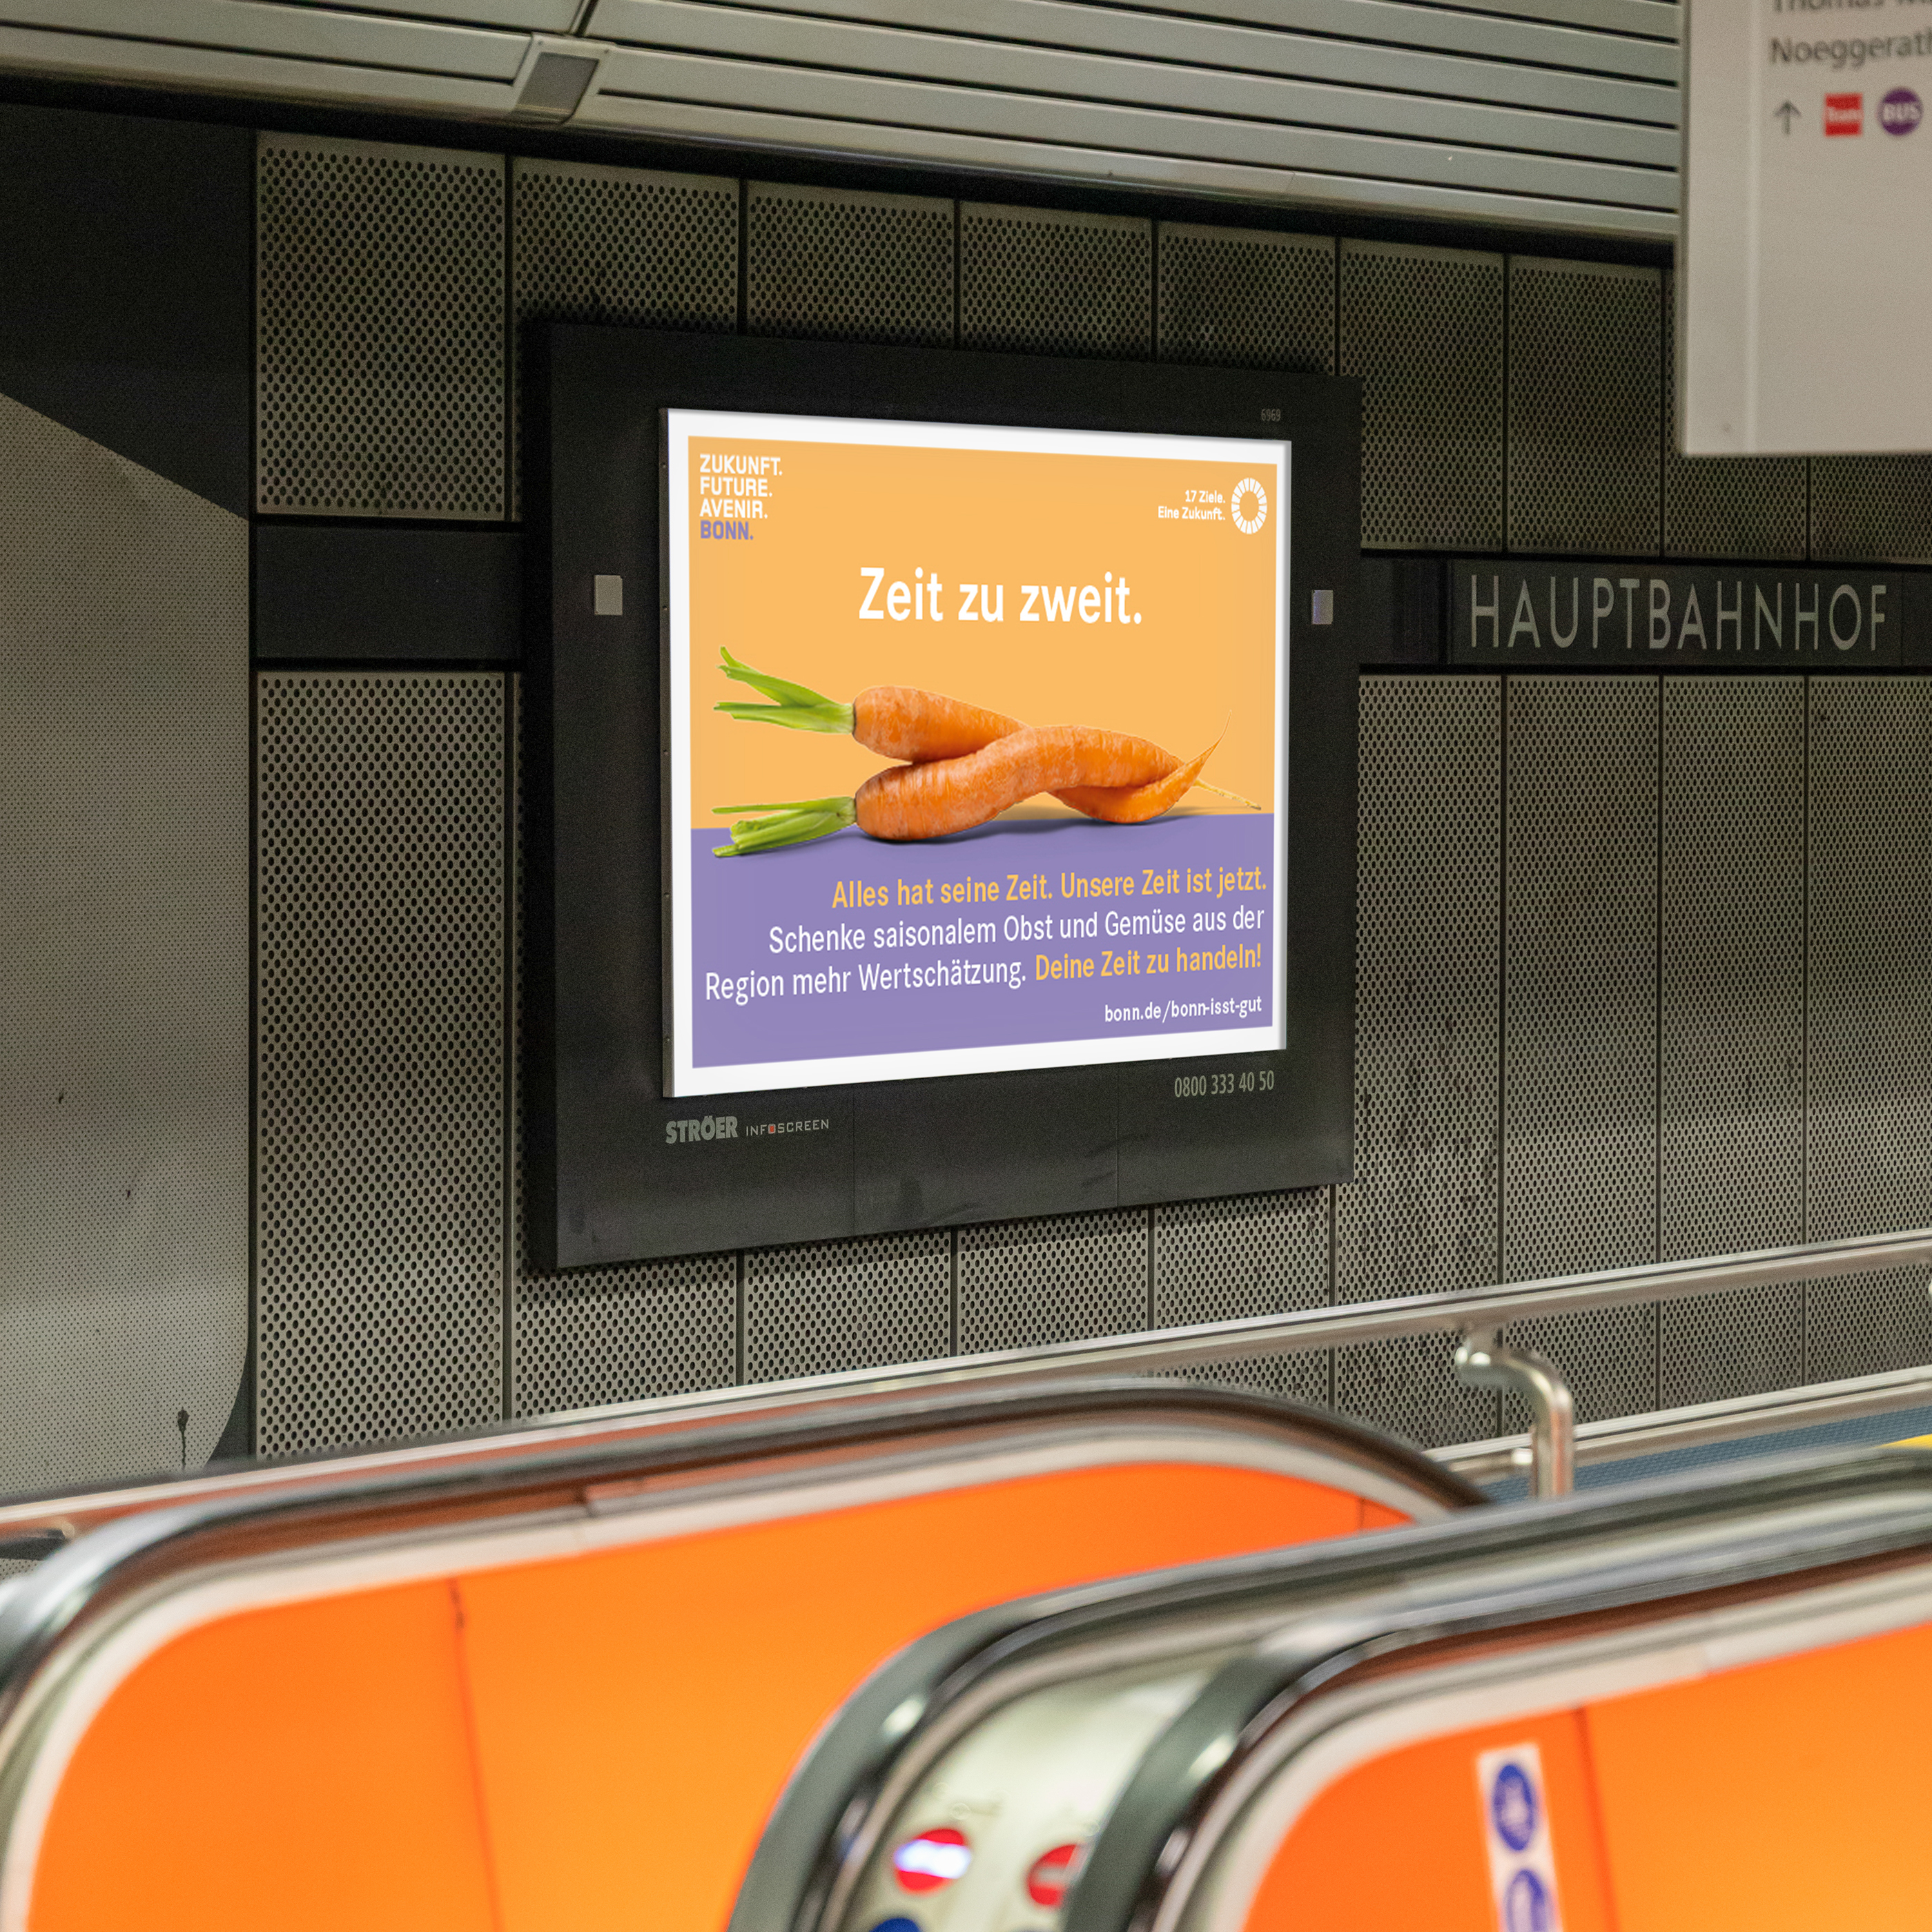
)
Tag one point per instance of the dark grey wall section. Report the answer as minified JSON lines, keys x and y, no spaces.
{"x":126,"y":288}
{"x":1579,"y":1013}
{"x":372,"y":593}
{"x":1731,"y":1022}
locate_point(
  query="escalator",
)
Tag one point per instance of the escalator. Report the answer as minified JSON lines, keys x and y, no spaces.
{"x":562,"y":1680}
{"x":1697,"y":1704}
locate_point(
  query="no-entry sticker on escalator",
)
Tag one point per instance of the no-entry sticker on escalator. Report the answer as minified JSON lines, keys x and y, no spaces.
{"x":933,"y":1858}
{"x":1515,"y":1828}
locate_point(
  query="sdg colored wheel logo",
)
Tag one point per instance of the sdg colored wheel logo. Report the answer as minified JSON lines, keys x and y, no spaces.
{"x":1249,"y":506}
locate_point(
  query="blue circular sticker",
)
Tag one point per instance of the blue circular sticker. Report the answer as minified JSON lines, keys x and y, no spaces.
{"x":897,"y":1925}
{"x":1513,"y":1806}
{"x":1526,"y":1904}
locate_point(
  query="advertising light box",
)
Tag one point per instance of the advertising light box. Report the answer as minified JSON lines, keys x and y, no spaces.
{"x":977,"y":747}
{"x":937,"y":806}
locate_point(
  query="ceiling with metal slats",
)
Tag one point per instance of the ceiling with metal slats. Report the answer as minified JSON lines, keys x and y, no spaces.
{"x":1551,"y":113}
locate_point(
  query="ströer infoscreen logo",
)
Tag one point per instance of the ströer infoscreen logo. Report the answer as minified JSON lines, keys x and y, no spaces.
{"x":1900,"y":111}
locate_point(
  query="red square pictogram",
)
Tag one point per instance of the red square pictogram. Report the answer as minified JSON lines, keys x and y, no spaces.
{"x":1844,"y":114}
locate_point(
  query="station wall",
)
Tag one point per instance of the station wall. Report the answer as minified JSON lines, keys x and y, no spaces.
{"x":1636,"y":974}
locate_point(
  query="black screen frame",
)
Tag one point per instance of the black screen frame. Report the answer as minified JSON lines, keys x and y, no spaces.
{"x":610,"y":1176}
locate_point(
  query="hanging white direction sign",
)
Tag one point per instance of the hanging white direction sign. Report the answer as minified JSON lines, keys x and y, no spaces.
{"x":1803,"y":280}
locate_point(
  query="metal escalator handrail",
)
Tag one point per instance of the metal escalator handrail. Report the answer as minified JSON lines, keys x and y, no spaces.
{"x":1712,"y":1529}
{"x":569,"y":1471}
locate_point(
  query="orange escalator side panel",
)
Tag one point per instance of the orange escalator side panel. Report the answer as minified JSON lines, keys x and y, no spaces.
{"x":1783,"y":1796}
{"x":306,"y":1767}
{"x":1399,"y":1842}
{"x":1379,"y":1516}
{"x":638,"y":1712}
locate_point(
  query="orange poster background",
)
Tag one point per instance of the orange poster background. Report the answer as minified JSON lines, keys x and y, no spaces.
{"x":787,"y":603}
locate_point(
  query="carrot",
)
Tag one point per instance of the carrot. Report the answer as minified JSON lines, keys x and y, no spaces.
{"x":1135,"y":804}
{"x":897,"y":721}
{"x":930,"y":800}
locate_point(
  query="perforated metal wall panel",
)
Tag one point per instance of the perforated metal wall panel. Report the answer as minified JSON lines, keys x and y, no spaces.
{"x":1024,"y":1283}
{"x":1408,"y":1387}
{"x":624,"y":1334}
{"x":1869,"y":817}
{"x":1421,"y":1214}
{"x":847,"y":267}
{"x":1731,"y":957}
{"x":1253,"y":1254}
{"x":1749,"y":507}
{"x":1055,"y":283}
{"x":600,"y":1335}
{"x":1608,"y":1356}
{"x":1871,"y":509}
{"x":1867,"y":1324}
{"x":1717,"y":1346}
{"x":380,"y":1099}
{"x":1585,"y":407}
{"x":1580,"y":1012}
{"x":592,"y":244}
{"x":380,"y":363}
{"x":1422,"y":327}
{"x":123,"y":949}
{"x":1247,"y":297}
{"x":1579,"y":974}
{"x":857,"y":1304}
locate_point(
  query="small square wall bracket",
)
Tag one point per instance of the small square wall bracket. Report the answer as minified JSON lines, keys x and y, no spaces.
{"x":556,"y":77}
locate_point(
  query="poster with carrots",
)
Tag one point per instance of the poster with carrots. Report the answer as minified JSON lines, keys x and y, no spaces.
{"x":976,"y":748}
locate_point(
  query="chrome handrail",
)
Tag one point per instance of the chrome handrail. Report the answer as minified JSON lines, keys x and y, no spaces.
{"x":1699,"y":1424}
{"x":1450,"y":1311}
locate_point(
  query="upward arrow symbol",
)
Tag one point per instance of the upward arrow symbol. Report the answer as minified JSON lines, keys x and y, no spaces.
{"x":1787,"y":114}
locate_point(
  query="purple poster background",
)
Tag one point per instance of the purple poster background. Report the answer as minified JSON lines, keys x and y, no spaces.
{"x":1042,"y":931}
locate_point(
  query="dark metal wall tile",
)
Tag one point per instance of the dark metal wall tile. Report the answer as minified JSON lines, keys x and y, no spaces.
{"x":1870,"y":820}
{"x":379,"y":364}
{"x":1423,"y":328}
{"x":380,"y":1103}
{"x":858,"y":1304}
{"x":1608,"y":1356}
{"x":592,"y":244}
{"x":1871,"y":509}
{"x":1408,"y":1387}
{"x":1585,"y":408}
{"x":1579,"y":971}
{"x":1023,"y":1284}
{"x":624,"y":1334}
{"x":1579,"y":1013}
{"x":848,"y":267}
{"x":1732,"y":955}
{"x":1867,"y":1324}
{"x":1247,"y":297}
{"x":1421,"y":1214}
{"x":1251,"y":1254}
{"x":1054,"y":283}
{"x":1749,"y":507}
{"x":600,"y":1335}
{"x":1717,"y":1346}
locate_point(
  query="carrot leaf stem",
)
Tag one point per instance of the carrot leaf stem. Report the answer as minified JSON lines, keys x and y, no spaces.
{"x":791,"y":824}
{"x":796,"y":705}
{"x":824,"y":716}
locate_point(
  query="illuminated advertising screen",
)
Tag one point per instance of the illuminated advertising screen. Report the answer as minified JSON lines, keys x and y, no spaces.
{"x":976,"y":748}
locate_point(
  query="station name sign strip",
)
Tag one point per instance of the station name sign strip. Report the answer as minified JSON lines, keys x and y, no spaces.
{"x":1621,"y":615}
